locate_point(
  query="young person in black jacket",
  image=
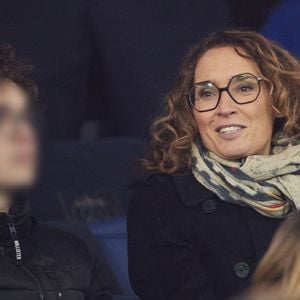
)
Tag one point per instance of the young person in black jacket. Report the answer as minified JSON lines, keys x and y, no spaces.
{"x":36,"y":261}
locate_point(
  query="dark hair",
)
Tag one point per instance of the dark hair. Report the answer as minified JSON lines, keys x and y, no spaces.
{"x":175,"y":130}
{"x":18,"y":71}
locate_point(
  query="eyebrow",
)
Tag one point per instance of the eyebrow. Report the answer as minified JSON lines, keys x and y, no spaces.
{"x":215,"y":83}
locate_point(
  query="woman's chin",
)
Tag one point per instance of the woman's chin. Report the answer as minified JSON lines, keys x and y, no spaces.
{"x":232,"y":154}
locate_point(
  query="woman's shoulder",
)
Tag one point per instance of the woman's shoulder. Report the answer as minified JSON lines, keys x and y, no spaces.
{"x":152,"y":191}
{"x":170,"y":190}
{"x":155,"y":203}
{"x":157,"y":185}
{"x":183,"y":184}
{"x":152,"y":181}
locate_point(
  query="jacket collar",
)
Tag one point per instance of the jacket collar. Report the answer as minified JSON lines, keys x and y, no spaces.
{"x":19,"y":214}
{"x":191,"y":191}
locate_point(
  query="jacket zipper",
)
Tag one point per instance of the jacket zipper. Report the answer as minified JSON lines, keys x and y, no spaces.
{"x":36,"y":281}
{"x":19,"y":261}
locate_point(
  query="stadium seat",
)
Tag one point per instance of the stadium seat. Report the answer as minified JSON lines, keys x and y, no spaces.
{"x":283,"y":26}
{"x":111,"y":236}
{"x":86,"y":181}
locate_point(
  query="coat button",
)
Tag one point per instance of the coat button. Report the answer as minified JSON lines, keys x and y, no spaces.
{"x":209,"y":206}
{"x":242,"y":269}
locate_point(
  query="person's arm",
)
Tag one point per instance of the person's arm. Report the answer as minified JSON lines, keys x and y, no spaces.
{"x":100,"y":286}
{"x":162,"y":262}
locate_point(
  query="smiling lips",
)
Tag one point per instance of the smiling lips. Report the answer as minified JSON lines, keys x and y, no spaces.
{"x":230,"y":130}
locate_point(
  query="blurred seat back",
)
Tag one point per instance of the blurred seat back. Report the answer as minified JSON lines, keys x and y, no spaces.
{"x":111,"y":236}
{"x":86,"y":181}
{"x":283,"y":25}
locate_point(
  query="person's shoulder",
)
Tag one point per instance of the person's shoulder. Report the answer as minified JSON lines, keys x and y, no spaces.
{"x":155,"y":184}
{"x":61,"y":241}
{"x":159,"y":189}
{"x":158,"y":179}
{"x":154,"y":197}
{"x":179,"y":188}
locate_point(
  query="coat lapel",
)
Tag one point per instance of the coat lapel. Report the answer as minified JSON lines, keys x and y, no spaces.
{"x":190,"y":190}
{"x":262,"y":229}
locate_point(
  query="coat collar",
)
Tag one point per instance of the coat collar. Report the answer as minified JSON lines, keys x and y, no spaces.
{"x":191,"y":191}
{"x":20,"y":215}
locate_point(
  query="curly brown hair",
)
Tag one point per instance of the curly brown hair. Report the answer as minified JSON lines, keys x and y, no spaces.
{"x":173,"y":133}
{"x":18,"y":71}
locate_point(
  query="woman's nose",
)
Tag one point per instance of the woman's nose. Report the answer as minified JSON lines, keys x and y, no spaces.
{"x":226,"y":105}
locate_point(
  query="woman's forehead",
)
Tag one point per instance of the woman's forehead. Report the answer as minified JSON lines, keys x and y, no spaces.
{"x":219,"y":65}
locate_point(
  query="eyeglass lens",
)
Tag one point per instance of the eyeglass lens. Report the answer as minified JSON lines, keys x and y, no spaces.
{"x":242,"y":88}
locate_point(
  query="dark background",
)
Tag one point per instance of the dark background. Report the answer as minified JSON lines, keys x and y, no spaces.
{"x":103,"y":66}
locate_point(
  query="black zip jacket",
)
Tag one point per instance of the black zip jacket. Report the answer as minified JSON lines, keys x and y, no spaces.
{"x":38,"y":262}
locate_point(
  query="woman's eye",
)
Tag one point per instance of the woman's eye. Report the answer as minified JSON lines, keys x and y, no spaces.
{"x":206,"y":94}
{"x":245,"y":88}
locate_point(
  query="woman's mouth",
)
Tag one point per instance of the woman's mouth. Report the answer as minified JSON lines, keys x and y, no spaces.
{"x":231,"y":131}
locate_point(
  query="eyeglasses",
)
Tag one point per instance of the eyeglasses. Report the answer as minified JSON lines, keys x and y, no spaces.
{"x":242,"y":88}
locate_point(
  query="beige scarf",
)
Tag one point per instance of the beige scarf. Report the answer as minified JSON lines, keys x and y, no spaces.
{"x":268,"y":183}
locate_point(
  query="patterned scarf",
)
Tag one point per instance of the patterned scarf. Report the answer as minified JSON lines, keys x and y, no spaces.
{"x":270,"y":184}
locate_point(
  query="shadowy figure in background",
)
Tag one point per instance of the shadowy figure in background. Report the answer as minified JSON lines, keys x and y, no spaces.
{"x":279,"y":269}
{"x":277,"y":276}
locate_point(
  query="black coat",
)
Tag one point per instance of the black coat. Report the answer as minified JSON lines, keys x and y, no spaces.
{"x":186,"y":243}
{"x":39,"y":262}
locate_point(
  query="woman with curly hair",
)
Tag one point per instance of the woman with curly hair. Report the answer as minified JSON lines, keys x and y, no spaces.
{"x":36,"y":262}
{"x":224,"y":163}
